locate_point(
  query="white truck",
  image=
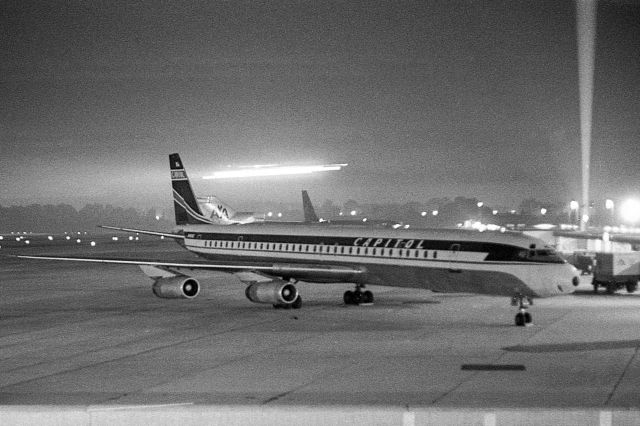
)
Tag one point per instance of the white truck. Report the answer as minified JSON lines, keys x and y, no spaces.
{"x":616,"y":270}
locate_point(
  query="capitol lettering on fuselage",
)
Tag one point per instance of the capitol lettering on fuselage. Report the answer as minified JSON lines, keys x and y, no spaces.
{"x":388,"y":242}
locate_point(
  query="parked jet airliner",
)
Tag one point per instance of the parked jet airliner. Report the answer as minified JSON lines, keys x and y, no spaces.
{"x":270,"y":258}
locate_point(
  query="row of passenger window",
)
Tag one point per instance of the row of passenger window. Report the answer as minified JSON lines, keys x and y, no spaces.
{"x":321,"y":249}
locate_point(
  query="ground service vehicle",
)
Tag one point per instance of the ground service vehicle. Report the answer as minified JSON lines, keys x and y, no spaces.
{"x":614,"y":271}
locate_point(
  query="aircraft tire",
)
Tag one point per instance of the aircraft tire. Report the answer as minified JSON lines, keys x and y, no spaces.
{"x":520,"y":320}
{"x":348,"y":298}
{"x":367,"y":297}
{"x":611,"y":288}
{"x":631,"y":287}
{"x":527,"y":318}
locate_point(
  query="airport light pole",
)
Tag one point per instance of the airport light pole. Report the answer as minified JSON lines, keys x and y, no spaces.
{"x":608,"y":204}
{"x":573,"y":206}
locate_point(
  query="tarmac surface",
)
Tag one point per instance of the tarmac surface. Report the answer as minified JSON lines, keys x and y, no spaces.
{"x":77,"y":334}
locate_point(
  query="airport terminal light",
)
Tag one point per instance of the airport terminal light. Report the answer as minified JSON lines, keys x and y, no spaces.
{"x":423,"y":214}
{"x":608,"y":204}
{"x":495,"y":212}
{"x":480,"y":204}
{"x":630,"y":211}
{"x":543,"y":211}
{"x":434,"y":213}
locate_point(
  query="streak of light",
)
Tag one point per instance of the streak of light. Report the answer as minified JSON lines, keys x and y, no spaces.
{"x":258,"y":171}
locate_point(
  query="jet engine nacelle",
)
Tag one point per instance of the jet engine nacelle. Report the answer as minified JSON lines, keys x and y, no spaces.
{"x":274,"y":292}
{"x":176,"y":288}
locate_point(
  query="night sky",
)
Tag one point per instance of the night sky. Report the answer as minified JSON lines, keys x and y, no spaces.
{"x":422,"y":99}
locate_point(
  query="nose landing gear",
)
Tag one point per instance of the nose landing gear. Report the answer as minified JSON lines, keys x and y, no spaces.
{"x":358,"y":297}
{"x":522,"y":302}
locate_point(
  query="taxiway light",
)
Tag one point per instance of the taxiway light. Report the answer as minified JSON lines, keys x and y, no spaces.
{"x":93,"y":243}
{"x":279,"y":214}
{"x":50,"y":238}
{"x":353,"y":212}
{"x":68,"y":237}
{"x":543,"y":211}
{"x":1,"y":237}
{"x":423,"y":214}
{"x":480,"y":204}
{"x":494,"y":212}
{"x":573,"y":205}
{"x":18,"y":238}
{"x":78,"y":241}
{"x":434,"y":213}
{"x":114,"y":238}
{"x":27,"y":242}
{"x":130,"y":238}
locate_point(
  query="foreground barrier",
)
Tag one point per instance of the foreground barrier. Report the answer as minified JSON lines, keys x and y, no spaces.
{"x":187,"y":414}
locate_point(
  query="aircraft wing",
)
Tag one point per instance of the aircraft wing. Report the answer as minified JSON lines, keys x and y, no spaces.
{"x":246,"y":272}
{"x":144,"y":232}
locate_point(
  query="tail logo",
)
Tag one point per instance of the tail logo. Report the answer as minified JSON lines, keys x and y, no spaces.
{"x":178,"y":175}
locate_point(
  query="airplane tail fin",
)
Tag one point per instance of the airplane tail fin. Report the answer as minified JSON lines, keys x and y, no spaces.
{"x":309,"y":212}
{"x":184,"y":200}
{"x":216,"y":210}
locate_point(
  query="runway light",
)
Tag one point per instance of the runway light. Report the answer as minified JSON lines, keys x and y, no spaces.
{"x":423,"y":214}
{"x":68,"y":237}
{"x":78,"y":241}
{"x":130,"y":237}
{"x":50,"y":238}
{"x":114,"y":238}
{"x":353,"y":212}
{"x":434,"y":213}
{"x":279,"y":214}
{"x":27,"y":242}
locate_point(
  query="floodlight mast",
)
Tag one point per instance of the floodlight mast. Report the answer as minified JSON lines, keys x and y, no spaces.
{"x":586,"y":32}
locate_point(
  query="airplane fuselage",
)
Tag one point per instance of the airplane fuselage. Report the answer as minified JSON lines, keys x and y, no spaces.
{"x":439,"y":260}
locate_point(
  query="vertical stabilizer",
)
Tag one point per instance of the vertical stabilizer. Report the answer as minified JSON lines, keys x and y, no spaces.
{"x":309,"y":212}
{"x":184,"y":200}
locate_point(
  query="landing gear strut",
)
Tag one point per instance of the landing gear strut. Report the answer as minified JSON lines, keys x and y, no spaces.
{"x":358,"y":297}
{"x":522,"y":302}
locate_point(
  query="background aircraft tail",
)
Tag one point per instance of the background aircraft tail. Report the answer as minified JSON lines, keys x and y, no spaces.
{"x":184,"y":200}
{"x":216,"y":210}
{"x":309,"y":212}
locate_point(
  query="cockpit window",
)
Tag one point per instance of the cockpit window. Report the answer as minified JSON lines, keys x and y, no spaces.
{"x":547,"y":255}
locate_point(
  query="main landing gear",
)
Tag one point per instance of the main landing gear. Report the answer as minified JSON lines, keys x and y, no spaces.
{"x":523,"y":302}
{"x":358,"y":297}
